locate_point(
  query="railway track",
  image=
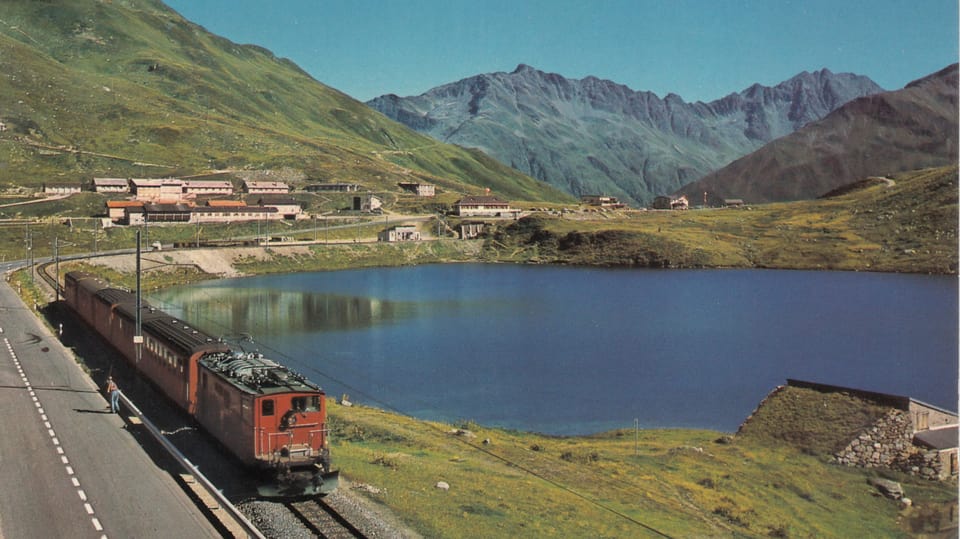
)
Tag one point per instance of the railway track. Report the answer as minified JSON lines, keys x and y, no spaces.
{"x":323,"y":519}
{"x":317,"y":515}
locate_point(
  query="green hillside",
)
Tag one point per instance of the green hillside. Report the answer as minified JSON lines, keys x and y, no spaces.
{"x":906,"y":224}
{"x":131,"y":89}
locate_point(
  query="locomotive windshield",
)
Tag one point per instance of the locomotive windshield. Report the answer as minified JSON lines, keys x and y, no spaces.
{"x":306,"y":404}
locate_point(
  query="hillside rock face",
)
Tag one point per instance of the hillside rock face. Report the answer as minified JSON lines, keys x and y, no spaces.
{"x":876,"y":135}
{"x":593,"y":136}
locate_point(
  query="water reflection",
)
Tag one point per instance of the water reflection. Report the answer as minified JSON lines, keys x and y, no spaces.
{"x":932,"y":520}
{"x":574,"y":350}
{"x":238,"y":311}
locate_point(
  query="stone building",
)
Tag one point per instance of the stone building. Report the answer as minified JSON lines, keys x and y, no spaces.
{"x":913,"y":436}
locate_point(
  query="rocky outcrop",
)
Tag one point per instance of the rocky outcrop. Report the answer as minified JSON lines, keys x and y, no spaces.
{"x":594,"y":136}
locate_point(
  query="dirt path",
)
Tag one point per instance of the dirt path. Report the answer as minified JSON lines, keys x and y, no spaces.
{"x":217,"y":262}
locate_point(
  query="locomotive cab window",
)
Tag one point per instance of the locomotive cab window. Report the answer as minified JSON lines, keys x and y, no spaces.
{"x":306,"y":404}
{"x":266,"y":408}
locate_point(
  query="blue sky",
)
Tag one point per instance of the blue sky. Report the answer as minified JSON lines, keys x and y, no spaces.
{"x":698,"y":49}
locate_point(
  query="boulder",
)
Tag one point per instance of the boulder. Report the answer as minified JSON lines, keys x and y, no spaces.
{"x":890,"y":489}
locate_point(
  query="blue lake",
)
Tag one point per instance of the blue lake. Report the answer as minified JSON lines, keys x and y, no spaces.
{"x":573,"y":350}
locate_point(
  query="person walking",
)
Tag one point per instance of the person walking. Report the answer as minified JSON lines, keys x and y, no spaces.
{"x":114,"y":393}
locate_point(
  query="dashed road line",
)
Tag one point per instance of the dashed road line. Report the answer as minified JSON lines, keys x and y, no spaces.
{"x":53,"y":437}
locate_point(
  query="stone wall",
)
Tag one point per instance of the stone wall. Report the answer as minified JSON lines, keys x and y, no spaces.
{"x":925,"y":463}
{"x":889,"y":444}
{"x":885,"y":444}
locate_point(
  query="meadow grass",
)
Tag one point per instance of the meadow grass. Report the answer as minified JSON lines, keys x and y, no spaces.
{"x":682,"y":483}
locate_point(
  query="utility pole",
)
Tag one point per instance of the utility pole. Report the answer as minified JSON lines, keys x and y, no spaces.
{"x":636,"y":436}
{"x":56,"y":258}
{"x":138,"y":336}
{"x":30,"y":251}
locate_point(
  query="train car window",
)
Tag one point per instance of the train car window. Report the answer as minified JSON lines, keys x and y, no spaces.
{"x":306,"y":404}
{"x":267,"y":408}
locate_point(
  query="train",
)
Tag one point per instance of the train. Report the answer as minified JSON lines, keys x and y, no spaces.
{"x":272,"y":419}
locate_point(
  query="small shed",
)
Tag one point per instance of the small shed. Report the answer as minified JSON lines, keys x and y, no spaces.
{"x":369,"y":203}
{"x":419,"y":189}
{"x":399,"y":233}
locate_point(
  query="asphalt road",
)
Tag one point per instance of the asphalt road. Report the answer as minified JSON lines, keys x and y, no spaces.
{"x":69,"y":467}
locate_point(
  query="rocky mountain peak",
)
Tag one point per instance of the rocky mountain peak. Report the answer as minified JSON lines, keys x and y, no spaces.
{"x":593,"y":135}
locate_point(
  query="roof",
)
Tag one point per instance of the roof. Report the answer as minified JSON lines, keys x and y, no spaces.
{"x":110,"y":181}
{"x":276,"y":199}
{"x":265,"y":185}
{"x":255,"y":374}
{"x":167,"y":208}
{"x":225,"y":203}
{"x":477,"y":199}
{"x":172,"y":331}
{"x":234,"y":208}
{"x":220,"y":184}
{"x":124,"y":203}
{"x":945,"y":438}
{"x":151,"y":182}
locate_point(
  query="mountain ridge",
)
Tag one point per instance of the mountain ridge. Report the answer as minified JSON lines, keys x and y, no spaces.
{"x":877,"y":135}
{"x":594,"y":135}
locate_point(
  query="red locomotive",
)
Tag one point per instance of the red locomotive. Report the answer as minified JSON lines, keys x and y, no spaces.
{"x":269,"y":417}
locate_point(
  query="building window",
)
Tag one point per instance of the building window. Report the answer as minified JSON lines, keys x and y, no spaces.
{"x":923,"y":420}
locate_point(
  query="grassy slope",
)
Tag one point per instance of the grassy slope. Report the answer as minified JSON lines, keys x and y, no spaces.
{"x":819,"y":423}
{"x":910,"y":226}
{"x":618,"y":484}
{"x":132,"y":89}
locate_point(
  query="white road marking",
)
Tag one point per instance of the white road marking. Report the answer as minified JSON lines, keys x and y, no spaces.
{"x":56,"y":442}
